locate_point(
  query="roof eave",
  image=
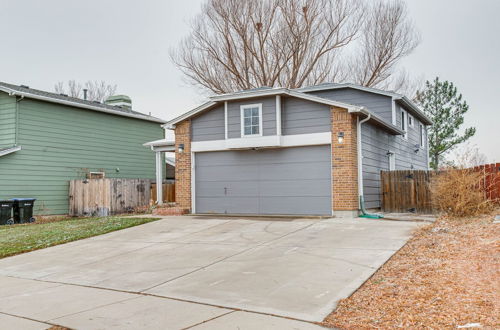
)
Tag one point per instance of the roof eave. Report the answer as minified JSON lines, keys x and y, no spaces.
{"x":421,"y":115}
{"x":379,"y":121}
{"x":79,"y":105}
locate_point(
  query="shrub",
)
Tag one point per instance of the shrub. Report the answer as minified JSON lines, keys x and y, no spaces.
{"x":460,"y":192}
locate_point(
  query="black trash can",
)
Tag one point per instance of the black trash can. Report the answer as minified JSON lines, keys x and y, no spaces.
{"x":23,"y":210}
{"x":6,"y":212}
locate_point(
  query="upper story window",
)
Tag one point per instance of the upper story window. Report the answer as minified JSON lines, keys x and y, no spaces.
{"x":411,"y":121}
{"x":404,"y":123}
{"x":422,"y":135}
{"x":251,"y":120}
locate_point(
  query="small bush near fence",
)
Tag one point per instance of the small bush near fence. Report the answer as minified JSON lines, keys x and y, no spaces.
{"x":461,"y":192}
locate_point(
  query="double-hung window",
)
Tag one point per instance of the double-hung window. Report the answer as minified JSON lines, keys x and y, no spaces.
{"x":251,"y":120}
{"x":404,"y":123}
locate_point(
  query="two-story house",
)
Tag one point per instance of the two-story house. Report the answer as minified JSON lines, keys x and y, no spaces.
{"x":48,"y":139}
{"x":307,"y":151}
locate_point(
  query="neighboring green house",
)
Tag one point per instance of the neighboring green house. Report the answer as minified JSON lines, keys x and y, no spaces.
{"x":47,"y":139}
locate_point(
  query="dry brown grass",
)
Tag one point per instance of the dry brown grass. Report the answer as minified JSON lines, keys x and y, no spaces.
{"x":460,"y":193}
{"x":446,"y":276}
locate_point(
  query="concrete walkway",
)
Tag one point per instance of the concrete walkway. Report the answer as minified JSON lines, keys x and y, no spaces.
{"x":190,"y":272}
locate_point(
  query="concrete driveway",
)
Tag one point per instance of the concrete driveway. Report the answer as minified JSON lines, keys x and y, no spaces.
{"x":200,"y":273}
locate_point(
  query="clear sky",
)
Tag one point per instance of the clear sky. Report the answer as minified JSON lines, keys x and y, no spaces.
{"x":126,"y":42}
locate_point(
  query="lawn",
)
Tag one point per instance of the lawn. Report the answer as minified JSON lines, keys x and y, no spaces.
{"x":23,"y":238}
{"x":445,"y":277}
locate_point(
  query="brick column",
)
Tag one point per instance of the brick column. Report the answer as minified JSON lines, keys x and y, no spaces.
{"x":344,"y":162}
{"x":183,"y":165}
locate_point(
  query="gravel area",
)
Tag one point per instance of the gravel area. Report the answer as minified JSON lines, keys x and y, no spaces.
{"x":447,"y":276}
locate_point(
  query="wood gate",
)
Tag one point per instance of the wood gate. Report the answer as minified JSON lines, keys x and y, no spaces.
{"x":406,"y":191}
{"x":103,"y":197}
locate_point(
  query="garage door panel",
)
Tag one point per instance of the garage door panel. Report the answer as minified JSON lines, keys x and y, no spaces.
{"x":295,"y":205}
{"x":228,"y":173}
{"x":292,"y":188}
{"x":270,"y":181}
{"x":295,"y":171}
{"x":299,"y":154}
{"x":233,"y":205}
{"x":231,"y":188}
{"x":221,"y":158}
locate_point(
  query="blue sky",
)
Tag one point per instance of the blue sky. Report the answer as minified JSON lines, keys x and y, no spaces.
{"x":127,"y":43}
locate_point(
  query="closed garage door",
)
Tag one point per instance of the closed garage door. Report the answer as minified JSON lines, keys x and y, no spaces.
{"x":269,"y":181}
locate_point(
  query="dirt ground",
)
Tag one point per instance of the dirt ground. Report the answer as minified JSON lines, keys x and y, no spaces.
{"x":448,"y":275}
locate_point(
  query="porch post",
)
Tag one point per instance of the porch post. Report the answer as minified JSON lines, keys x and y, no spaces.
{"x":159,"y":179}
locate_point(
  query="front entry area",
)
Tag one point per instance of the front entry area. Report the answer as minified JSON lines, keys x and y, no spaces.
{"x":287,"y":181}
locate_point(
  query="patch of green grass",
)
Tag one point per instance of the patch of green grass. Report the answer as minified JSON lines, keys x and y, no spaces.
{"x":23,"y":238}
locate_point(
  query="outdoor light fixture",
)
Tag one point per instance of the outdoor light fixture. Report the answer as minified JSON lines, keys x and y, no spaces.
{"x":181,"y":148}
{"x":340,"y":137}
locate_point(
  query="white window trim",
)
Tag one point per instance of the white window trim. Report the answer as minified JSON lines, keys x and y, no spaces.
{"x":422,"y":135}
{"x":412,"y":121}
{"x":404,"y":114}
{"x":392,"y":161}
{"x":242,"y":118}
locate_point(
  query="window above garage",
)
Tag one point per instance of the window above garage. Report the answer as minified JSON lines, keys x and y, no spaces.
{"x":251,"y":120}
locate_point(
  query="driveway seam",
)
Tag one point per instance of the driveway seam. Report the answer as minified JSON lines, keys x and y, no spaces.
{"x":203,"y":322}
{"x":145,"y":294}
{"x":29,"y":319}
{"x":96,"y":307}
{"x":225,"y":258}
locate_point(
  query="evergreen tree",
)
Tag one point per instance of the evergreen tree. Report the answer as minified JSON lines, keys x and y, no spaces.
{"x":444,"y":105}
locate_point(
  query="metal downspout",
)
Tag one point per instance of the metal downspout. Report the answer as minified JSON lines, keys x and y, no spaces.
{"x":364,"y":214}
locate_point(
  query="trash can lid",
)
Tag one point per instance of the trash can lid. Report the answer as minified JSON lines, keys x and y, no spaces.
{"x":23,"y":199}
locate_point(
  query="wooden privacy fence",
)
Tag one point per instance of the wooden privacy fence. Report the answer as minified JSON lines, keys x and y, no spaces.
{"x":168,"y":192}
{"x":102,"y":197}
{"x":491,"y":180}
{"x":410,"y":191}
{"x":406,"y":191}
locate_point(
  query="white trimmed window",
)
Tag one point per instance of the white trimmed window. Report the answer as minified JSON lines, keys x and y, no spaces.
{"x":411,"y":121}
{"x":422,"y":136}
{"x":404,"y":123}
{"x":251,"y":120}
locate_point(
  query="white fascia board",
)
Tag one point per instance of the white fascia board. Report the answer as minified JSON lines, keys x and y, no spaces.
{"x":263,"y":142}
{"x":83,"y":106}
{"x":347,"y":85}
{"x":249,"y":94}
{"x":416,"y":110}
{"x":260,"y":93}
{"x":171,"y":124}
{"x":9,"y":150}
{"x":387,"y":126}
{"x":312,"y":139}
{"x":159,"y":143}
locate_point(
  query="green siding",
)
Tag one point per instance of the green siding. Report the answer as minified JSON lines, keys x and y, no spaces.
{"x":7,"y":120}
{"x":61,"y":143}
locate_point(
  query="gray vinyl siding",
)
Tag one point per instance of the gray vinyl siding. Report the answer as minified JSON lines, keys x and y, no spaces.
{"x":381,"y":105}
{"x":7,"y":121}
{"x":268,"y":116}
{"x":375,"y":145}
{"x":272,"y":181}
{"x":302,"y":117}
{"x":209,"y":125}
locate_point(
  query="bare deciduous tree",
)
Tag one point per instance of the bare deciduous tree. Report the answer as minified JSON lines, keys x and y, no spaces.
{"x":243,"y":44}
{"x":96,"y":91}
{"x":387,"y":37}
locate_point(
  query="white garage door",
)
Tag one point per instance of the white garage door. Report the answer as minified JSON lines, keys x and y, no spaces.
{"x":289,"y":181}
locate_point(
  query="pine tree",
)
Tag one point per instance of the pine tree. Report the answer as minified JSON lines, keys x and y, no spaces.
{"x":444,"y":105}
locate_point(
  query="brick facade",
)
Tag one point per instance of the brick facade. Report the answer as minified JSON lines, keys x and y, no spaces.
{"x":183,"y":165}
{"x":344,"y":161}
